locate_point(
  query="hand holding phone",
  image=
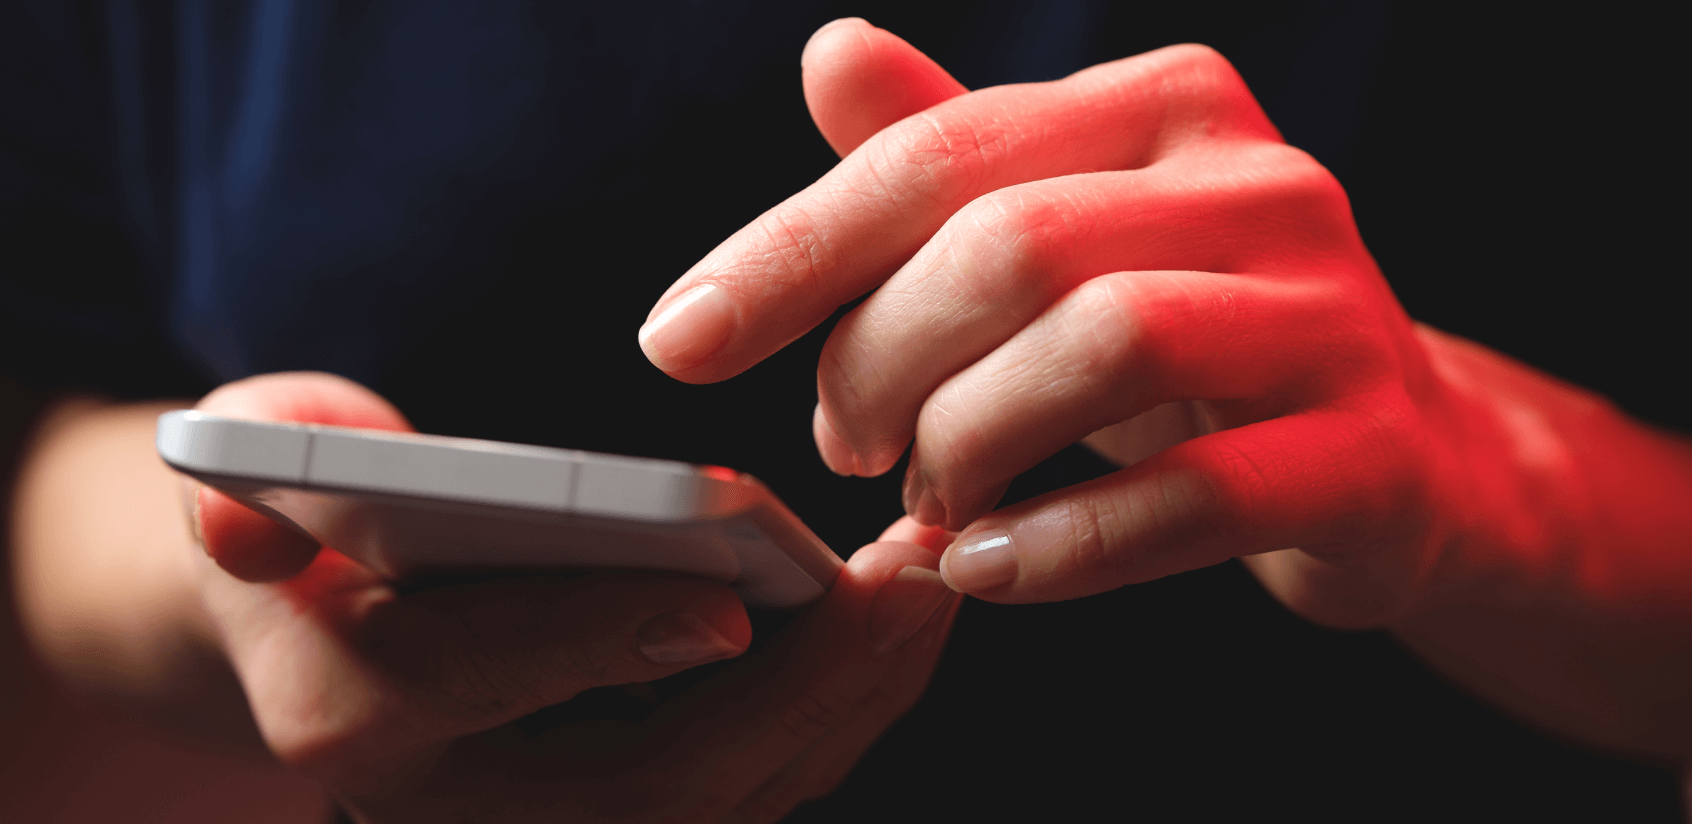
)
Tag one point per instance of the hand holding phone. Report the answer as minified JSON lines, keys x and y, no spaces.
{"x":377,"y":691}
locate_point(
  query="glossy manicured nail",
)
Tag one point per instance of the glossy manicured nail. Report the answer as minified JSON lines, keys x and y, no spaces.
{"x":902,"y":606}
{"x":835,"y":453}
{"x":980,"y":561}
{"x":690,"y":330}
{"x":682,"y":638}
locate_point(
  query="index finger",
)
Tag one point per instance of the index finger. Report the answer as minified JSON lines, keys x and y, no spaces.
{"x":784,"y":273}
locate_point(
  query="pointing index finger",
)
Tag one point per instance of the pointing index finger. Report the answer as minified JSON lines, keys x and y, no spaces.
{"x":784,"y":273}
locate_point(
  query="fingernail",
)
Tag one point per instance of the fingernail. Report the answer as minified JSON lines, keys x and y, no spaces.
{"x":692,"y":329}
{"x":903,"y":606}
{"x":836,"y":455}
{"x":682,"y":638}
{"x":878,"y":461}
{"x":920,"y":501}
{"x":981,"y":561}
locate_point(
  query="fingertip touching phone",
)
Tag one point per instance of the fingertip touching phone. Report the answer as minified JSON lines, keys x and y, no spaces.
{"x":410,"y":505}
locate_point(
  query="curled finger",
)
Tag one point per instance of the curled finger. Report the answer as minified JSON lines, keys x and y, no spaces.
{"x":343,"y":673}
{"x":1114,"y":348}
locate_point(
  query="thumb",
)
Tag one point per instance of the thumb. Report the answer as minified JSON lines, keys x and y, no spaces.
{"x":860,"y":79}
{"x":246,"y":544}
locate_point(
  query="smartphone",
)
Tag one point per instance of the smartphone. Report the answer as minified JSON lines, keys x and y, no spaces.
{"x":411,"y":505}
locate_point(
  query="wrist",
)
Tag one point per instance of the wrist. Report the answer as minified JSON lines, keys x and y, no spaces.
{"x":102,"y":575}
{"x":1510,"y":497}
{"x":1562,"y":587}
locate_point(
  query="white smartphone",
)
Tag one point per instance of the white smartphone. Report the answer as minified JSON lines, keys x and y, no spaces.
{"x":408,"y":505}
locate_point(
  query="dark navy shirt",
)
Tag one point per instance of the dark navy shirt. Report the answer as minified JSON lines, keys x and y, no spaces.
{"x":314,"y":186}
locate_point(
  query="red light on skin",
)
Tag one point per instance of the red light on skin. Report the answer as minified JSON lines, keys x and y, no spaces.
{"x":721,"y":473}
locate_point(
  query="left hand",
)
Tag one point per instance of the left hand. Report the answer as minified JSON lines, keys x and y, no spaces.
{"x":775,"y":729}
{"x":228,"y":629}
{"x":403,"y":703}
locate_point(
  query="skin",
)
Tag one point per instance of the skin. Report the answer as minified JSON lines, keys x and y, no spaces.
{"x":1131,"y":257}
{"x":112,"y":707}
{"x":173,"y":602}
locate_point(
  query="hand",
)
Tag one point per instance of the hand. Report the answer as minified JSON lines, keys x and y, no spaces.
{"x":403,"y":703}
{"x":1131,"y":256}
{"x":1131,"y":251}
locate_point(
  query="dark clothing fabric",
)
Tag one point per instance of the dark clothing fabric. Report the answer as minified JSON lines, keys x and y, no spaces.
{"x":470,"y":207}
{"x":321,"y":187}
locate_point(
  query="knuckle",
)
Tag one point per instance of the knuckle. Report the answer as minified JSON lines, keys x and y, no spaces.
{"x":1205,"y":94}
{"x":795,"y":247}
{"x":1268,"y":175}
{"x":1199,"y":56}
{"x":1089,"y":549}
{"x":1278,"y":205}
{"x":1020,"y":226}
{"x":1121,"y":322}
{"x":1176,"y":511}
{"x":1138,"y":536}
{"x":1293,"y":182}
{"x":942,"y":158}
{"x":322,"y":741}
{"x":1006,"y":247}
{"x":1201,"y":71}
{"x":1300,"y":167}
{"x":1112,"y":311}
{"x":1305,"y":184}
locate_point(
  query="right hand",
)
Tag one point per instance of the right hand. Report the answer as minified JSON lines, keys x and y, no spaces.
{"x":403,"y":703}
{"x":1133,"y":257}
